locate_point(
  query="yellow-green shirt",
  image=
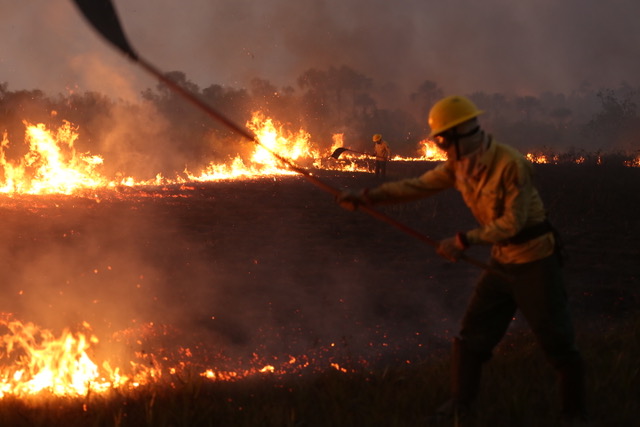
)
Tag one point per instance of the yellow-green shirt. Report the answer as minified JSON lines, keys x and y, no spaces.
{"x":496,"y":184}
{"x":382,"y":150}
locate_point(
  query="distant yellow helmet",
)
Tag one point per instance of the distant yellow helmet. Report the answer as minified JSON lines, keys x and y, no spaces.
{"x":449,"y":112}
{"x":377,"y":137}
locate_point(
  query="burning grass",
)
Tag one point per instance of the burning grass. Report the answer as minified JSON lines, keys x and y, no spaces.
{"x":333,"y":313}
{"x":50,"y":162}
{"x":519,"y":390}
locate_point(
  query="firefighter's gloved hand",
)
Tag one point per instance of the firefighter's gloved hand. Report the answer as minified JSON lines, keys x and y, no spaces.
{"x":453,"y":247}
{"x":351,"y":199}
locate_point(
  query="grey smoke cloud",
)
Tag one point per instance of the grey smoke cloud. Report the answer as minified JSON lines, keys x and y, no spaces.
{"x":494,"y":46}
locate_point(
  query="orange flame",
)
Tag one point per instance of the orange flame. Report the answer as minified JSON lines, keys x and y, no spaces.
{"x":52,"y":164}
{"x":429,"y":151}
{"x":35,"y":360}
{"x":634,"y":163}
{"x":273,"y":138}
{"x":338,"y":141}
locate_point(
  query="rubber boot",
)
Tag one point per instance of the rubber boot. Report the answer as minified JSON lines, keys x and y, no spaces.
{"x":573,"y":392}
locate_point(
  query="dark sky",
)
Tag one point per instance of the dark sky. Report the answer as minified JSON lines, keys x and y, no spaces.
{"x":522,"y":47}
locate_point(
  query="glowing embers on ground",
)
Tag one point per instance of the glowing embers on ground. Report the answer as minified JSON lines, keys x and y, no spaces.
{"x":551,"y":158}
{"x":35,"y":361}
{"x":633,"y":163}
{"x":548,"y":156}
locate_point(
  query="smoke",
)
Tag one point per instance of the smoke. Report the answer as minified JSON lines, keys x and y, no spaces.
{"x":138,"y":145}
{"x":203,"y":272}
{"x":493,"y":46}
{"x":64,"y":267}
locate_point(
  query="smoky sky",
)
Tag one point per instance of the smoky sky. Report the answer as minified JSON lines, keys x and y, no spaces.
{"x":524,"y":47}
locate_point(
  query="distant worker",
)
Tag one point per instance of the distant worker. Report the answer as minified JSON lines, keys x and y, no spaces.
{"x":382,"y":153}
{"x":496,"y":183}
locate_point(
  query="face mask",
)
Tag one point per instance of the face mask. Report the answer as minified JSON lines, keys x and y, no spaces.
{"x":468,"y":165}
{"x":452,"y":138}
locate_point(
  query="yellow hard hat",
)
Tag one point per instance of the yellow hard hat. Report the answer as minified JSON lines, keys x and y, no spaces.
{"x":449,"y":112}
{"x":377,"y":137}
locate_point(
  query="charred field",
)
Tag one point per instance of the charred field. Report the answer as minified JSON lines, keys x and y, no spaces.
{"x":353,"y":315}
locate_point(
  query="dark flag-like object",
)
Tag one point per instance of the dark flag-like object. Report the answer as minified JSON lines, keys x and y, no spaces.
{"x":102,"y":15}
{"x":340,"y":150}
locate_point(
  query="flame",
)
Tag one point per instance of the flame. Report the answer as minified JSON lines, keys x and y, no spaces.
{"x":295,"y":146}
{"x":338,"y":141}
{"x":541,"y":158}
{"x":52,"y":164}
{"x":634,"y":163}
{"x":35,"y":360}
{"x":429,"y":151}
{"x":274,"y":138}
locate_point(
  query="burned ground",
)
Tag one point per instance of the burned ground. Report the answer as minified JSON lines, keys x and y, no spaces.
{"x":273,"y":267}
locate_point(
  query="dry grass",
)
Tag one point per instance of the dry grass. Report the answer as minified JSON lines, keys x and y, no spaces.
{"x":215,"y":229}
{"x":519,"y":390}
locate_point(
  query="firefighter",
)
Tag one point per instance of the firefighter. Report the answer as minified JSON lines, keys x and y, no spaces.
{"x":495,"y":182}
{"x":383,"y":153}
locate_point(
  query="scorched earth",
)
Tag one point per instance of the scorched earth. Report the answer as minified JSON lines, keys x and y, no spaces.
{"x":232,"y":278}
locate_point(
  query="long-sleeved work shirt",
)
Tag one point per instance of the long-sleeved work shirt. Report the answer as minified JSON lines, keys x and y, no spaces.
{"x":496,"y":184}
{"x":382,"y":150}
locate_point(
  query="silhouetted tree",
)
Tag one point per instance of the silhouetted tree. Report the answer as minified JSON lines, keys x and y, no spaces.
{"x":618,"y":122}
{"x":427,"y":94}
{"x":561,"y":116}
{"x":280,"y":104}
{"x":188,"y":124}
{"x":18,"y":106}
{"x":233,"y":103}
{"x":333,"y":98}
{"x":398,"y":127}
{"x":527,"y":105}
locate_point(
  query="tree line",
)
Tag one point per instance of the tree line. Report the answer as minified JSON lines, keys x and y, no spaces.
{"x":322,"y":102}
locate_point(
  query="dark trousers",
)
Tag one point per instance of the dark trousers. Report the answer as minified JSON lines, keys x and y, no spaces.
{"x":381,"y":168}
{"x":538,"y":292}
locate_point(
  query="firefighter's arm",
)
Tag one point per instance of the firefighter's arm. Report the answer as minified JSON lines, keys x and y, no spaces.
{"x":431,"y":182}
